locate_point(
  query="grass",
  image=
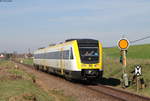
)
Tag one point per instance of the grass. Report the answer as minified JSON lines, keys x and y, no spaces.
{"x":134,"y":52}
{"x":28,"y":61}
{"x":22,"y":74}
{"x":6,"y":64}
{"x":9,"y":89}
{"x":18,"y":85}
{"x":137,"y":55}
{"x":25,"y":60}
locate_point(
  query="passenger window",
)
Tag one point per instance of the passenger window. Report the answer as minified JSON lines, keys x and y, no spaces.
{"x":71,"y":54}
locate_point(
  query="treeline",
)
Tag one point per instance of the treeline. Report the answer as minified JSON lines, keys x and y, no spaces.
{"x":15,"y":55}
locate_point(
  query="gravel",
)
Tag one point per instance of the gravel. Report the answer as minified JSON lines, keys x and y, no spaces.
{"x":77,"y":91}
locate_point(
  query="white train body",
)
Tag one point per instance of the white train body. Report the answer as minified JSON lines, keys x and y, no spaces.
{"x":65,"y":59}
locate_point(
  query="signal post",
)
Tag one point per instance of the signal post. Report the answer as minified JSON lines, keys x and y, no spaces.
{"x":123,"y":44}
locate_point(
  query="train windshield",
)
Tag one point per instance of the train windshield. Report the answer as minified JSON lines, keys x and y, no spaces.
{"x":89,"y":54}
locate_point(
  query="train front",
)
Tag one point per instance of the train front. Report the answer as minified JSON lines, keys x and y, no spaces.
{"x":90,"y":59}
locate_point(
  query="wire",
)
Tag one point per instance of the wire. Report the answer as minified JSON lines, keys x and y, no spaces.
{"x":131,"y":41}
{"x":140,"y":39}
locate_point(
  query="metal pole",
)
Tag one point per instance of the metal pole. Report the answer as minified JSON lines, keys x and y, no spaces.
{"x":124,"y":63}
{"x":124,"y":58}
{"x":137,"y":84}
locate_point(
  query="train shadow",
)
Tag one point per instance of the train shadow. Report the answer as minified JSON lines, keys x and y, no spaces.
{"x":103,"y":81}
{"x":109,"y":81}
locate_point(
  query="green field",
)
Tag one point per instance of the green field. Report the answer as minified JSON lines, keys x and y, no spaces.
{"x":137,"y":55}
{"x":134,"y":52}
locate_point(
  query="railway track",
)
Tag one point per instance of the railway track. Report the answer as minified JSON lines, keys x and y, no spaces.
{"x":118,"y":94}
{"x":114,"y":93}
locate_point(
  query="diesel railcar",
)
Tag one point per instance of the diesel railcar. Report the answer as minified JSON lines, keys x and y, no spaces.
{"x":74,"y":59}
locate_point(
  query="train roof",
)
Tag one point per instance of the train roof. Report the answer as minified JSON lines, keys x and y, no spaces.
{"x":69,"y":41}
{"x":83,"y":40}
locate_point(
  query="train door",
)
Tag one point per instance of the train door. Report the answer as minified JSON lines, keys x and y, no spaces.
{"x":62,"y":62}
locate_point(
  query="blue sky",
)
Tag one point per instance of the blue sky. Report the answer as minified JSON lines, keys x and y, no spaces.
{"x":36,"y":23}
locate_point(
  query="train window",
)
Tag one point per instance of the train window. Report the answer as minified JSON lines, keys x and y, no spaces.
{"x":89,"y":54}
{"x":89,"y":51}
{"x":35,"y":56}
{"x":66,"y":54}
{"x":53,"y":55}
{"x":71,"y":54}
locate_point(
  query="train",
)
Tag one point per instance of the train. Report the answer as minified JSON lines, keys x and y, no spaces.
{"x":78,"y":59}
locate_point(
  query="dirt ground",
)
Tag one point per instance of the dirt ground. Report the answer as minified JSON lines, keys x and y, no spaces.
{"x":50,"y":83}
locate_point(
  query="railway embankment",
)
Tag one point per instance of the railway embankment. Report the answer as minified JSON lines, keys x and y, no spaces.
{"x":17,"y":84}
{"x":136,"y":55}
